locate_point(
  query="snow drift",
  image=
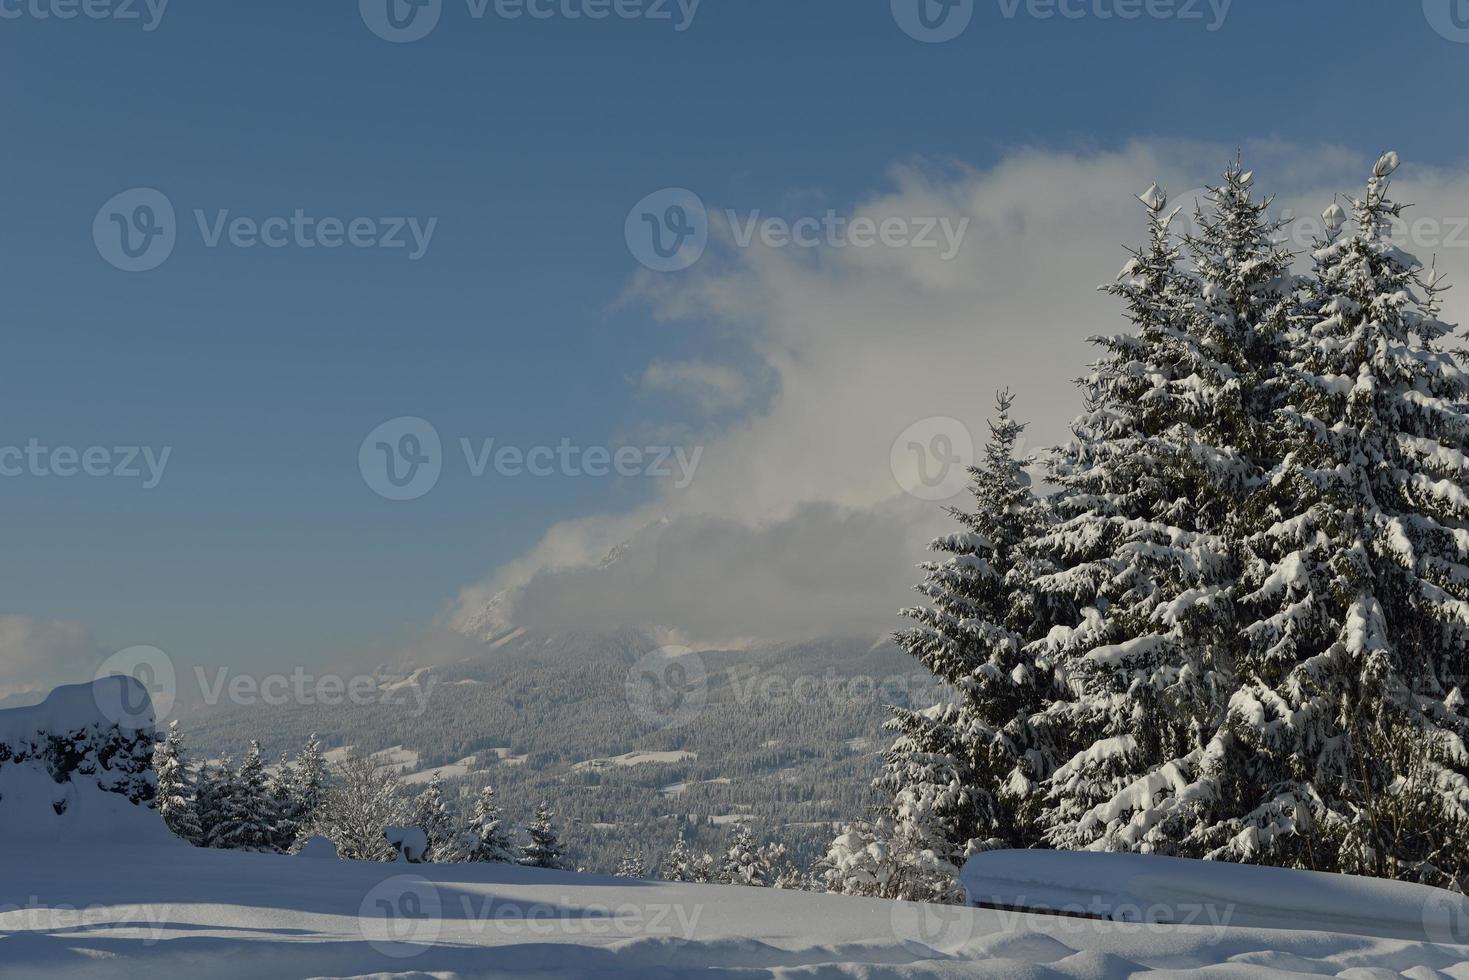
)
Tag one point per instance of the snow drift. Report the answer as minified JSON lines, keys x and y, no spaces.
{"x":1146,"y":888}
{"x":141,"y":913}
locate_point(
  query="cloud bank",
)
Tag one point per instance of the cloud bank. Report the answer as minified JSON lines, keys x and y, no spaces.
{"x":37,"y":655}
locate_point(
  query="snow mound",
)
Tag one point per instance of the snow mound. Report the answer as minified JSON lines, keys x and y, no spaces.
{"x":78,"y":766}
{"x":1146,"y":888}
{"x":318,"y":848}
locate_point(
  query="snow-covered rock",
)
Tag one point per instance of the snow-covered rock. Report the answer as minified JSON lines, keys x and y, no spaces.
{"x":78,"y":766}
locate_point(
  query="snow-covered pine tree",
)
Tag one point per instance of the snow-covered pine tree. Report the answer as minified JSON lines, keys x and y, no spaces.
{"x":250,"y":821}
{"x":213,"y":789}
{"x":431,"y":815}
{"x":1350,"y":715}
{"x":682,"y":864}
{"x":675,"y":865}
{"x":961,"y":775}
{"x":543,"y":849}
{"x":311,"y":787}
{"x":742,"y":863}
{"x":1163,"y":461}
{"x":631,"y":866}
{"x":175,"y":799}
{"x":487,"y":837}
{"x":281,"y":789}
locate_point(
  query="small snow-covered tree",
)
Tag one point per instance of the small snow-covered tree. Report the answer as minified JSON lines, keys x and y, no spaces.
{"x":745,"y":862}
{"x":213,"y":791}
{"x":281,"y":789}
{"x":631,"y":866}
{"x":175,"y":799}
{"x":432,"y":816}
{"x":703,"y":869}
{"x":543,"y":849}
{"x":310,"y":789}
{"x":487,"y":839}
{"x":682,"y":864}
{"x":781,"y":872}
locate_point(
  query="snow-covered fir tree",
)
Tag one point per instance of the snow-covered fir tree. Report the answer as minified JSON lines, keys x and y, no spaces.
{"x":741,"y":864}
{"x":543,"y":849}
{"x":682,"y":864}
{"x":676,"y":863}
{"x":703,"y":869}
{"x":961,"y":774}
{"x":311,"y":788}
{"x":488,"y":840}
{"x":631,"y":866}
{"x":175,"y":799}
{"x":1345,"y":743}
{"x":212,"y":791}
{"x":281,"y":788}
{"x":249,"y":819}
{"x":1163,"y":461}
{"x":431,"y":815}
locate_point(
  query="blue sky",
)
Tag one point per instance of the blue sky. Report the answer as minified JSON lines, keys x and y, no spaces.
{"x":528,"y":140}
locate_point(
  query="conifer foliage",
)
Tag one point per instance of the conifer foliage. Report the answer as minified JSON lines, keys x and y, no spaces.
{"x":543,"y":849}
{"x":1349,"y":714}
{"x":431,"y":815}
{"x":488,"y":840}
{"x":175,"y":799}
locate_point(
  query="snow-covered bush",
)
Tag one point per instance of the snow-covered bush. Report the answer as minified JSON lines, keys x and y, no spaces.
{"x":79,"y":765}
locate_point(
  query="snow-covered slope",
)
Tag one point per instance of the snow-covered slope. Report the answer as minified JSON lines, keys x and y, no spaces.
{"x":146,"y":912}
{"x":77,"y":767}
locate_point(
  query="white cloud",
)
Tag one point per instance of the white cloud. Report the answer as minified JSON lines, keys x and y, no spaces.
{"x":713,"y":387}
{"x":795,"y":524}
{"x":36,"y":655}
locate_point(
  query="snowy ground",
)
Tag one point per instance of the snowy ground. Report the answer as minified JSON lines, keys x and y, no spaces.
{"x":171,"y":911}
